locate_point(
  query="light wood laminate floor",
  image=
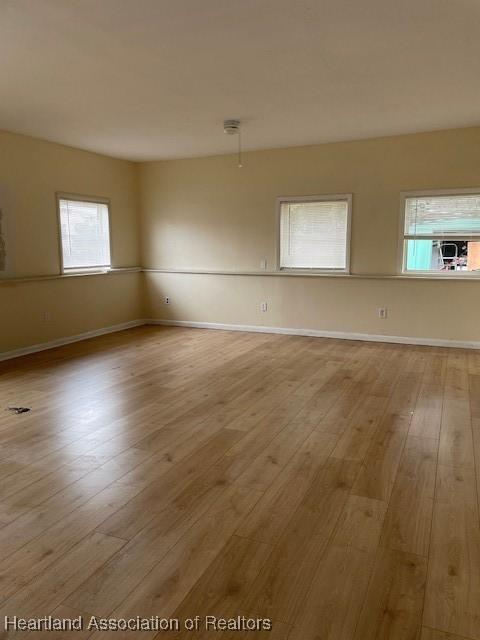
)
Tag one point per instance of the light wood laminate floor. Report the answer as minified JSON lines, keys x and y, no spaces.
{"x":330,"y":486}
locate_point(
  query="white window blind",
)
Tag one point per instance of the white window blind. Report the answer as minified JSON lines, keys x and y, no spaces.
{"x":314,"y":234}
{"x":85,"y":234}
{"x":455,"y":215}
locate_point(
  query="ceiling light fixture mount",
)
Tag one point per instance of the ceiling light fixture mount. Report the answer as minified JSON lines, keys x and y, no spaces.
{"x":232,"y":128}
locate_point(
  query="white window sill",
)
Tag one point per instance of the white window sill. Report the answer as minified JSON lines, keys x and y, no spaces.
{"x":307,"y":271}
{"x":75,"y":274}
{"x":308,"y":274}
{"x":452,"y":275}
{"x":74,"y":270}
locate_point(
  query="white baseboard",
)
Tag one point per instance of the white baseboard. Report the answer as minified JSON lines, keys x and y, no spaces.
{"x":315,"y":333}
{"x":340,"y":335}
{"x":43,"y":346}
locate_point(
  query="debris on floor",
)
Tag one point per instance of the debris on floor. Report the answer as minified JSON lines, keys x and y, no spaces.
{"x":18,"y":410}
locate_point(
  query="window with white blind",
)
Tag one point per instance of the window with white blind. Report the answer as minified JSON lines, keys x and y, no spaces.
{"x":84,"y":234}
{"x":441,"y":233}
{"x":315,"y":233}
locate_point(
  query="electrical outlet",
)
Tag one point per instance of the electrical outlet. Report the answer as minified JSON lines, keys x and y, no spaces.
{"x":46,"y":316}
{"x":263,"y":306}
{"x":166,"y":300}
{"x":263,"y":264}
{"x":382,"y":312}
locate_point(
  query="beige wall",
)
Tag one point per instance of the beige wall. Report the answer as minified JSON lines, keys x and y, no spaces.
{"x":416,"y":309}
{"x":31,"y":171}
{"x":208,"y":214}
{"x":75,"y":305}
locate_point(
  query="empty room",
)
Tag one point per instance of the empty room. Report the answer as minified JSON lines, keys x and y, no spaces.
{"x":240,"y":319}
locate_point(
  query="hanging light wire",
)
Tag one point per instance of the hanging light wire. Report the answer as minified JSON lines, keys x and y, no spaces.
{"x":232,"y":127}
{"x":240,"y":165}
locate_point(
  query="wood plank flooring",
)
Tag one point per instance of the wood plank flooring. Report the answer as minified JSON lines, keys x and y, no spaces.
{"x":329,"y":486}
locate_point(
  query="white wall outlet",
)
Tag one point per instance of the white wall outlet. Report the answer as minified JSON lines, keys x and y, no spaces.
{"x":263,"y":264}
{"x":166,"y":300}
{"x":263,"y":306}
{"x":382,"y":312}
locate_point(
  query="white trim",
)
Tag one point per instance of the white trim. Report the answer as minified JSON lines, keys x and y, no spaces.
{"x":443,"y":275}
{"x":298,"y":273}
{"x":417,"y":275}
{"x":74,"y":274}
{"x":315,"y":333}
{"x":43,"y":346}
{"x":422,"y":193}
{"x":348,"y":197}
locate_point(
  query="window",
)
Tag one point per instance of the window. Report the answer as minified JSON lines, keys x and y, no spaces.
{"x":84,"y":233}
{"x":315,"y":233}
{"x":441,"y":233}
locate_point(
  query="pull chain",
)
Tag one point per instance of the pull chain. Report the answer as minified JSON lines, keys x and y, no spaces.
{"x":240,"y":165}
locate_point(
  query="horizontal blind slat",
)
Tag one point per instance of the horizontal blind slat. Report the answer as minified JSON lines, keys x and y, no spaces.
{"x":455,"y":215}
{"x":85,"y":234}
{"x":313,"y":234}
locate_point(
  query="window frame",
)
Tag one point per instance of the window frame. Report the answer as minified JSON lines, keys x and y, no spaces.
{"x":76,"y":197}
{"x":335,"y":197}
{"x":401,"y":253}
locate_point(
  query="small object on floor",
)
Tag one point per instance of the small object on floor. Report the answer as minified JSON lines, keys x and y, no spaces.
{"x":18,"y":410}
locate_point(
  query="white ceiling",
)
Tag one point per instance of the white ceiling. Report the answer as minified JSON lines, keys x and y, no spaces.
{"x":154,"y":79}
